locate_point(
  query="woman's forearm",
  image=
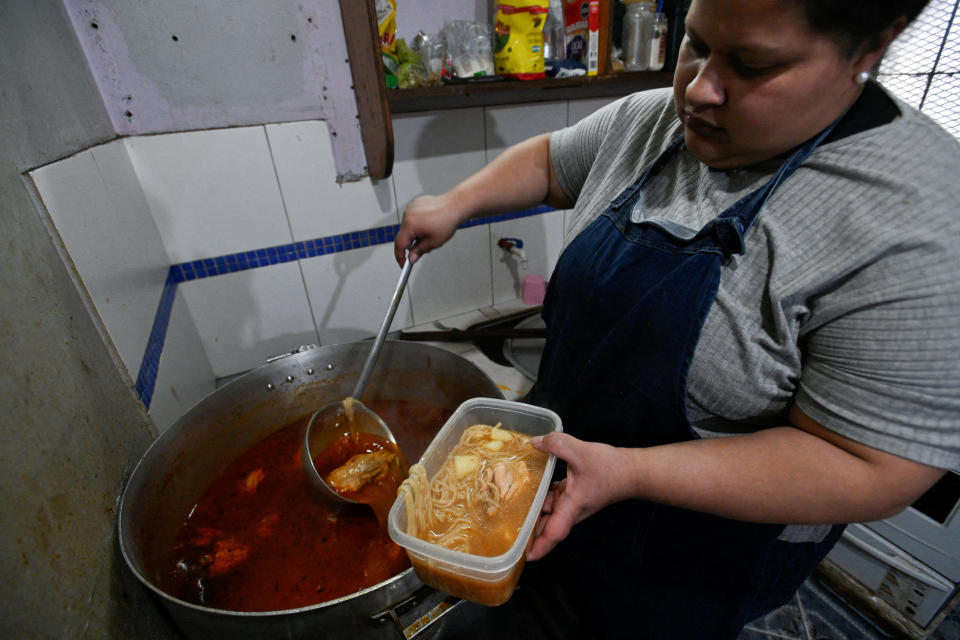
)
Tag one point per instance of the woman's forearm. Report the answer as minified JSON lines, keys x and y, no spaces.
{"x":784,"y":475}
{"x":801,"y":473}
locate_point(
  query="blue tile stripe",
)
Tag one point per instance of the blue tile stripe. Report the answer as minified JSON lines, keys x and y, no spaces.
{"x":244,"y":260}
{"x":234,"y":262}
{"x":147,"y":377}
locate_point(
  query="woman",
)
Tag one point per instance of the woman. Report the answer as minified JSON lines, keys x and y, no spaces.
{"x":752,"y":332}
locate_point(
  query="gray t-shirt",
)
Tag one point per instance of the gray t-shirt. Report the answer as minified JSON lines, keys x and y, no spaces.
{"x":847,"y":299}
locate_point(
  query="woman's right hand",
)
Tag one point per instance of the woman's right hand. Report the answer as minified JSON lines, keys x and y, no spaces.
{"x":431,"y":221}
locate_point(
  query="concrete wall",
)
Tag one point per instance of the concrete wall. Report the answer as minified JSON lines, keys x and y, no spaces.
{"x":70,"y":424}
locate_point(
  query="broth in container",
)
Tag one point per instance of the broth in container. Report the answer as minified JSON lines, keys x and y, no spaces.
{"x":466,"y":512}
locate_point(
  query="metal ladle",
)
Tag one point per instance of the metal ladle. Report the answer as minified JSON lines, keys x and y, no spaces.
{"x":349,"y":415}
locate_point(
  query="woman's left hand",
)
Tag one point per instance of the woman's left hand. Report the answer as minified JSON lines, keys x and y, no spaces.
{"x":594,"y":479}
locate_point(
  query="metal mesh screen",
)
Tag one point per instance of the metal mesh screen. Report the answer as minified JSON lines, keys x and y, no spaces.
{"x":922,"y":67}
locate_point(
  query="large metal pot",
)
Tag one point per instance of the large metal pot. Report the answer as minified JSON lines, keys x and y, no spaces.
{"x":182,"y":462}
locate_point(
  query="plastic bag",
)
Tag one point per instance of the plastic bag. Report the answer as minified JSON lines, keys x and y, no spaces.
{"x":519,"y":38}
{"x":411,"y":72}
{"x":433,"y":54}
{"x":470,"y":47}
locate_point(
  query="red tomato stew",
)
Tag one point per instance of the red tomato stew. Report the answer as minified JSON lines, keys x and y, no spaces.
{"x":260,"y":538}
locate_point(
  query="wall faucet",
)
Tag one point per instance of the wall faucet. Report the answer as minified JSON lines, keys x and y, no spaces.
{"x":514,"y":246}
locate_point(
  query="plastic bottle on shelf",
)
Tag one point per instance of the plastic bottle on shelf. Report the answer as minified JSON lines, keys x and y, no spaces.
{"x":554,"y":46}
{"x":658,"y":42}
{"x":637,"y":29}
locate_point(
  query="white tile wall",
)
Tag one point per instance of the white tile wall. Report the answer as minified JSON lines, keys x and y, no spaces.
{"x":96,"y":204}
{"x":454,"y":279}
{"x":211,"y":192}
{"x":350,"y":292}
{"x":99,"y":209}
{"x":432,"y":152}
{"x":243,"y":318}
{"x":184,"y":376}
{"x":435,"y":150}
{"x":129,"y":209}
{"x":315,"y":204}
{"x":214,"y":193}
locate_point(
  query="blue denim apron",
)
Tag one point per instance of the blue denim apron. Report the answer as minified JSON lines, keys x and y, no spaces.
{"x":624,"y":310}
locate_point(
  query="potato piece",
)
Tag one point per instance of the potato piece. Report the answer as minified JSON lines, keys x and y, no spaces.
{"x":493,"y":445}
{"x":465,"y":465}
{"x":500,"y":434}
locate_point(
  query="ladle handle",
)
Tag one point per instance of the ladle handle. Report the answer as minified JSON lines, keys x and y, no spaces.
{"x":384,"y":328}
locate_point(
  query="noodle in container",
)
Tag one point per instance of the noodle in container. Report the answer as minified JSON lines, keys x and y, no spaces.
{"x":467,"y":512}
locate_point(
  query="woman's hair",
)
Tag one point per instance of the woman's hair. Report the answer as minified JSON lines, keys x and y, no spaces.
{"x":856,"y":24}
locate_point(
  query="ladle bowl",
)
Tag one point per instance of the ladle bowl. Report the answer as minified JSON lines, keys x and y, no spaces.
{"x":330,"y":423}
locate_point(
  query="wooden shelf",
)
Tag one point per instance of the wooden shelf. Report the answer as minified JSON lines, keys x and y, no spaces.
{"x":496,"y":92}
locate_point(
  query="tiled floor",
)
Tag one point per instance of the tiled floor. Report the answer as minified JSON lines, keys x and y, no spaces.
{"x":817,"y":614}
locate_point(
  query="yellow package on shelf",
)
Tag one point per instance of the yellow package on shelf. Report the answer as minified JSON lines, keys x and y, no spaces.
{"x":518,"y":49}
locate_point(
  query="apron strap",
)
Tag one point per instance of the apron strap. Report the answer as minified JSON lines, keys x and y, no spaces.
{"x":745,"y":210}
{"x":748,"y":208}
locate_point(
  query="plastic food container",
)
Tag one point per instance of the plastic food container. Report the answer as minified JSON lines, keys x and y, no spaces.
{"x":488,"y":580}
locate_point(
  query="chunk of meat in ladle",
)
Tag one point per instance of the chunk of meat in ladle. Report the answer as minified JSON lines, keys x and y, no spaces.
{"x":361,"y":470}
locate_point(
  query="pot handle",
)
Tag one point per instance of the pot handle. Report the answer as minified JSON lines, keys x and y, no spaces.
{"x":408,"y":617}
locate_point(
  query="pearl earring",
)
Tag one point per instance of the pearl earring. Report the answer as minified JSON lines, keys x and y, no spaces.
{"x":862,"y":77}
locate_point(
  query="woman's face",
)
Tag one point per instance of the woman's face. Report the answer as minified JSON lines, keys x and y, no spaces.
{"x":753,"y":81}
